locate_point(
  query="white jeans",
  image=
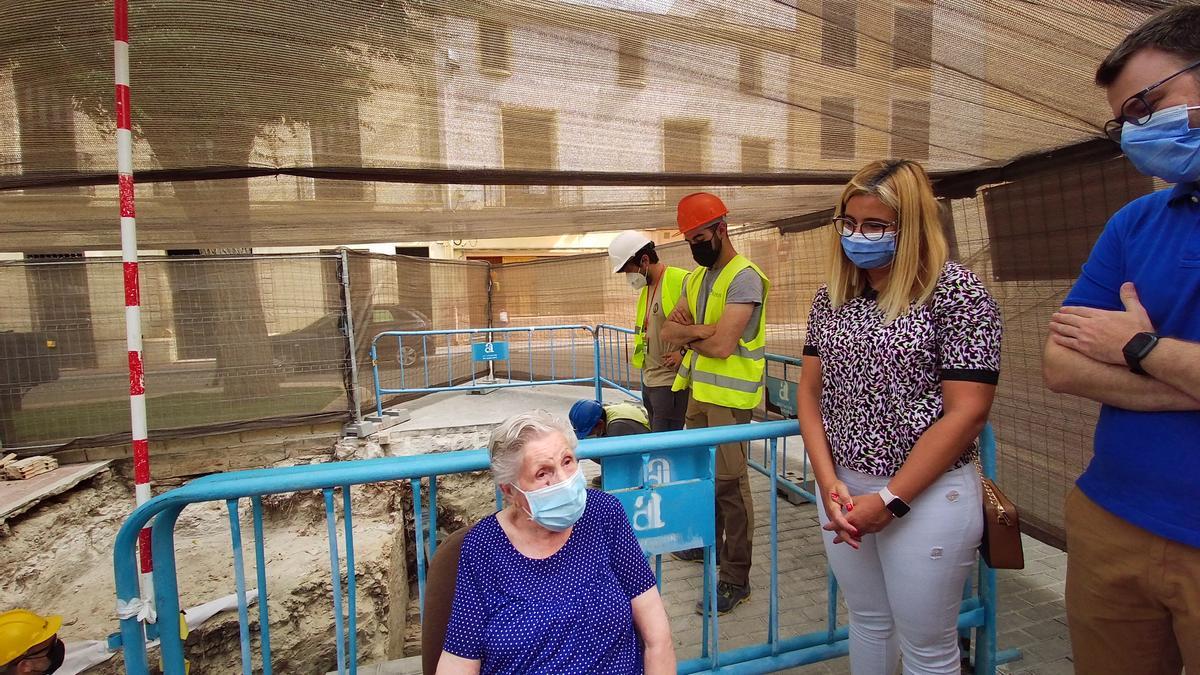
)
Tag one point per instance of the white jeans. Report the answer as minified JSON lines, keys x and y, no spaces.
{"x":904,"y":584}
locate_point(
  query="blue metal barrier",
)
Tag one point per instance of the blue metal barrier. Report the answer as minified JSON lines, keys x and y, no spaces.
{"x":780,"y":393}
{"x":613,"y":368}
{"x":774,"y":652}
{"x":670,"y":497}
{"x":485,"y":347}
{"x":646,"y":481}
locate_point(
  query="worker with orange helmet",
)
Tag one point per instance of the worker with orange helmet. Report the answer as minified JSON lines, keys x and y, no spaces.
{"x":721,"y":320}
{"x":29,"y":643}
{"x":659,"y":288}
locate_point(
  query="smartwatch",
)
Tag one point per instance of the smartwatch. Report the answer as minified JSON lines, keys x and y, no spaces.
{"x":897,"y":506}
{"x":1138,"y":347}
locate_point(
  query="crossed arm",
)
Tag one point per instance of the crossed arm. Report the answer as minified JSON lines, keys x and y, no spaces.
{"x":718,"y":340}
{"x":1083,"y":357}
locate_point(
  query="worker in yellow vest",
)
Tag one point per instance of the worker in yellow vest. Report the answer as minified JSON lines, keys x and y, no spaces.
{"x":590,"y":418}
{"x":593,"y":419}
{"x":659,"y":288}
{"x":721,"y":319}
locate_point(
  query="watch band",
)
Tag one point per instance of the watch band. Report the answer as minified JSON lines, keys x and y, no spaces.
{"x":887,"y":495}
{"x":1138,"y":348}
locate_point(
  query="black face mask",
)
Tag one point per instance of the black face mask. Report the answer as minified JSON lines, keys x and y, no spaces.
{"x":58,"y":652}
{"x":705,"y":253}
{"x":55,"y":654}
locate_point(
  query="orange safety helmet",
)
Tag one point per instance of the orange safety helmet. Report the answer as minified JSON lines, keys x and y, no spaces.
{"x":697,"y":209}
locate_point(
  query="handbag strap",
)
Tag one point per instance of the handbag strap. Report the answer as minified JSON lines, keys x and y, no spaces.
{"x":990,"y":494}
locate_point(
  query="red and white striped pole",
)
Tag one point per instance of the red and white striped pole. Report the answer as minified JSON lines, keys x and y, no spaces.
{"x":133,"y":309}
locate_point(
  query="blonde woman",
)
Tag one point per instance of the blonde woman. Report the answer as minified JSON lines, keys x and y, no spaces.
{"x":900,"y":368}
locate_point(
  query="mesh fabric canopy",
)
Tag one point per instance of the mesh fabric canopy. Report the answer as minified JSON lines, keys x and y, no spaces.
{"x":300,"y":123}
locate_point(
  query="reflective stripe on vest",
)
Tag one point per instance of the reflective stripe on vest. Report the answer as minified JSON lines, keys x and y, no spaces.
{"x":626,"y":411}
{"x":672,"y":288}
{"x":724,"y":381}
{"x":736,"y":381}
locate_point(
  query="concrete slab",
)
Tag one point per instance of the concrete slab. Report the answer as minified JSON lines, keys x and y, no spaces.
{"x":18,"y":496}
{"x":455,"y":409}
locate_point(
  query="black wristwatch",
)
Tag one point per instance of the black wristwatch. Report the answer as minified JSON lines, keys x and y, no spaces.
{"x":897,"y":506}
{"x":1138,"y":347}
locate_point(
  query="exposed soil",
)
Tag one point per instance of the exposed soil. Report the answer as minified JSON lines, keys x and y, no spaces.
{"x":57,"y":558}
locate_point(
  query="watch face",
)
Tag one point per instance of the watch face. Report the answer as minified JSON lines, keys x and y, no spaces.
{"x":898,"y":507}
{"x":1139,"y":344}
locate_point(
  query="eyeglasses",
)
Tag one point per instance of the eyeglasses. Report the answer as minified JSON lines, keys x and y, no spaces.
{"x":1136,"y":110}
{"x":870,"y":228}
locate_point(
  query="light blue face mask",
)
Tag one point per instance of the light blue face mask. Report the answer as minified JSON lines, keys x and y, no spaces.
{"x":870,"y":254}
{"x":557,"y":507}
{"x":1165,"y":146}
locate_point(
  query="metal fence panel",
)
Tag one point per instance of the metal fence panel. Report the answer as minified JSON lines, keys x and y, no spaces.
{"x":226,"y":339}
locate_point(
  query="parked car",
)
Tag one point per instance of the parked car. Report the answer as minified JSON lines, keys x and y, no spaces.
{"x":396,"y":317}
{"x":324,"y":340}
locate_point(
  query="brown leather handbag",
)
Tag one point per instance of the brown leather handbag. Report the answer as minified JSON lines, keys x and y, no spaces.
{"x":1001,"y":546}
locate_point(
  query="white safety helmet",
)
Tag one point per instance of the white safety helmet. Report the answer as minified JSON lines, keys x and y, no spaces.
{"x":624,"y":246}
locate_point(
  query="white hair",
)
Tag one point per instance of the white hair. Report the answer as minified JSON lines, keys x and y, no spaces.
{"x":506,"y":447}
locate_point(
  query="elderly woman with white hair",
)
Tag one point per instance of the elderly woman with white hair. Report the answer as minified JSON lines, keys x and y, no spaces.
{"x":555,"y":582}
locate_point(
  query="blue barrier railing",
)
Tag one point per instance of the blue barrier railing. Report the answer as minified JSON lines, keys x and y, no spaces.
{"x":545,"y":346}
{"x":613,"y":361}
{"x":780,"y":394}
{"x":774,"y":652}
{"x":610,"y":367}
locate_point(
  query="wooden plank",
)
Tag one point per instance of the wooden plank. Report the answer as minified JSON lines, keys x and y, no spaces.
{"x":17,"y":497}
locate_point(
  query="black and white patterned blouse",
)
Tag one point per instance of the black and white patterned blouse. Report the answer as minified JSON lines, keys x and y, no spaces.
{"x":882,"y":383}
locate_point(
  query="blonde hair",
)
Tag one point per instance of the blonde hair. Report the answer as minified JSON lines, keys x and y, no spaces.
{"x":921,"y":247}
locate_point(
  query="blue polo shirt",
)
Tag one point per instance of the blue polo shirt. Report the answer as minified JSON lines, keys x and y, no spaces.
{"x":1146,"y":467}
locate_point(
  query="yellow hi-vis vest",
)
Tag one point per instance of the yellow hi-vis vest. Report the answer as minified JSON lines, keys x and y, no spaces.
{"x":736,"y":381}
{"x":626,"y":411}
{"x":672,"y":288}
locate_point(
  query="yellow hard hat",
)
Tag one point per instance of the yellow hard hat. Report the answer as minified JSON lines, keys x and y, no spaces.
{"x":21,"y":630}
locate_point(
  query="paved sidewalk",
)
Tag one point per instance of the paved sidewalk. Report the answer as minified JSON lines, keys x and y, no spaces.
{"x":1032,"y":615}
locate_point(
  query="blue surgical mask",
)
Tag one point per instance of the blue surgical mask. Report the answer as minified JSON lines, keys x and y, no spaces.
{"x":557,"y":507}
{"x":870,"y":254}
{"x":1165,"y":146}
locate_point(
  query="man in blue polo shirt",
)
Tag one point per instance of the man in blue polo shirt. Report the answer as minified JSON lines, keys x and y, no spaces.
{"x":1128,"y":336}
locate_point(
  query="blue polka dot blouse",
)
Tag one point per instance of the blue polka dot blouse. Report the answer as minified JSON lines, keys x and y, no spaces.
{"x":569,"y":613}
